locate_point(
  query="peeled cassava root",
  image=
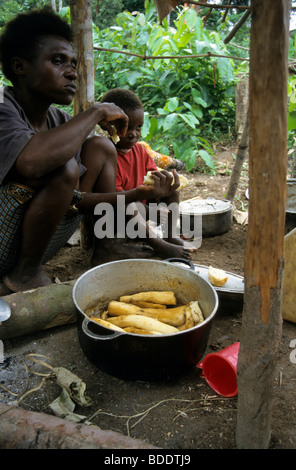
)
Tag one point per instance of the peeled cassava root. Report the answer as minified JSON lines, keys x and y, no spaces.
{"x":217,"y":277}
{"x":159,"y":316}
{"x":156,"y":297}
{"x":149,"y":180}
{"x":114,"y":136}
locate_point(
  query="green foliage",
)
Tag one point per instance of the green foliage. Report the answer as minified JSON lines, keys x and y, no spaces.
{"x":188,"y":101}
{"x":291,"y":111}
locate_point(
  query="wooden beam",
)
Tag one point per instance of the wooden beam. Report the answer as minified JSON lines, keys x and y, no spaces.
{"x":262,"y":318}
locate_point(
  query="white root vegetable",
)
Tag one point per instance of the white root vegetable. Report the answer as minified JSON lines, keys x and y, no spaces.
{"x":217,"y":277}
{"x":157,"y":297}
{"x":172,"y":316}
{"x":193,"y":315}
{"x":130,"y":318}
{"x":142,"y":322}
{"x":183,"y":180}
{"x":147,"y":304}
{"x":107,"y":324}
{"x":139,"y":331}
{"x":114,"y":136}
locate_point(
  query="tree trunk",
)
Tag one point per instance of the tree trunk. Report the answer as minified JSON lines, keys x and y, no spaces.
{"x":38,"y":309}
{"x":81,"y":22}
{"x":22,"y":429}
{"x":241,"y":105}
{"x":262,"y":317}
{"x":240,"y":158}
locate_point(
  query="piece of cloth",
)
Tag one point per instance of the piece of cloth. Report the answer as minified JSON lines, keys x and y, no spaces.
{"x":13,"y":201}
{"x":165,"y":162}
{"x":16,"y":131}
{"x":132,"y":166}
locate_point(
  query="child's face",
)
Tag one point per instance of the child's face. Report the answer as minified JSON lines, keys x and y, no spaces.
{"x":133,"y":134}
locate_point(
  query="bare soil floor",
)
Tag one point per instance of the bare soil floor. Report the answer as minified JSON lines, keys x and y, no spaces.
{"x":181,"y":414}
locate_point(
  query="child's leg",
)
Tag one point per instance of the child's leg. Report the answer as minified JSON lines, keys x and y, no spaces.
{"x":99,"y":156}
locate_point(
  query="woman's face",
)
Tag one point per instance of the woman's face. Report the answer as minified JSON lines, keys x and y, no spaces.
{"x":51,"y":76}
{"x":133,"y":134}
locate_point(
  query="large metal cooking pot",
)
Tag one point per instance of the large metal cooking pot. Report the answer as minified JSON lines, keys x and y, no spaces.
{"x":136,"y":356}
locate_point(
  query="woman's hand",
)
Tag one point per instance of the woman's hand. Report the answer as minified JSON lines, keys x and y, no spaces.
{"x":112,"y":117}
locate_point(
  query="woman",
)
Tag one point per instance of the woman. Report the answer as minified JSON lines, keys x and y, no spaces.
{"x":45,"y":154}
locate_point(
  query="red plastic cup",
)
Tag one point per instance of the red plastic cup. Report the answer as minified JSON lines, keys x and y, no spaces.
{"x":220,"y":368}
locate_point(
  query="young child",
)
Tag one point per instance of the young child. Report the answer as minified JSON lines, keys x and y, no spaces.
{"x":133,"y":164}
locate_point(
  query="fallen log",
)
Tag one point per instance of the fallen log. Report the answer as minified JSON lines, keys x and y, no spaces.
{"x":22,"y":429}
{"x":38,"y":309}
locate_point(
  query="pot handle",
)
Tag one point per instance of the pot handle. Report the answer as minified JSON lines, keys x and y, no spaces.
{"x":181,"y":260}
{"x":92,"y":335}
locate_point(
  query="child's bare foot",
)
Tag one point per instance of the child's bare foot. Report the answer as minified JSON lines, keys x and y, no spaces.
{"x":186,"y":245}
{"x":166,"y":249}
{"x":120,"y":251}
{"x":32,"y":280}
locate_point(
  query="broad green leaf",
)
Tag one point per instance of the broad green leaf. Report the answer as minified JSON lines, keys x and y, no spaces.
{"x":190,"y":119}
{"x":225,"y":69}
{"x":190,"y":18}
{"x":207,"y":158}
{"x":169,"y":121}
{"x":172,"y":104}
{"x":292,"y":121}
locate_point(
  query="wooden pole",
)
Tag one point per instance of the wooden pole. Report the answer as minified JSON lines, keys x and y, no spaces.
{"x":262,"y":318}
{"x":81,"y":22}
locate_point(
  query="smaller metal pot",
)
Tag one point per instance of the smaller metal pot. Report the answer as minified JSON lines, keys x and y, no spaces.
{"x":136,"y":356}
{"x":215,"y":216}
{"x":291,"y":205}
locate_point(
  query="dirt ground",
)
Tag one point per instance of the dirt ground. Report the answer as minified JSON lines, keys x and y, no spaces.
{"x":184,"y":413}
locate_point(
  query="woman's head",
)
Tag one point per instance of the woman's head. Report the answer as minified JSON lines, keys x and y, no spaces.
{"x":22,"y":35}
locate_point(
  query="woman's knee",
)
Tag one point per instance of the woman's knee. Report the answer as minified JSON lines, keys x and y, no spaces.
{"x":97,"y":151}
{"x":65,"y":176}
{"x":69,"y":173}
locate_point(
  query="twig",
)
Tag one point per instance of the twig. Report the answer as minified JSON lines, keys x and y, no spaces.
{"x":237,"y":26}
{"x":144,"y":413}
{"x":149,"y":57}
{"x":221,"y":7}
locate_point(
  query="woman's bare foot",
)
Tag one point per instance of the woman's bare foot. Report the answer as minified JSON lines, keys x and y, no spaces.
{"x":27,"y":281}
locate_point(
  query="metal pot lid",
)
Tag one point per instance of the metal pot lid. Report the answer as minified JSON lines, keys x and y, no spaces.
{"x":204,"y":206}
{"x":5,"y":310}
{"x":235,"y":283}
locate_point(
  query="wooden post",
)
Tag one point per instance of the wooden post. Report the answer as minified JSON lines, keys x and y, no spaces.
{"x":81,"y":22}
{"x":262,"y":318}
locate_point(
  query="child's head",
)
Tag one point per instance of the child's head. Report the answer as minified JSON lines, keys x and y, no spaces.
{"x":131,"y":104}
{"x":22,"y":35}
